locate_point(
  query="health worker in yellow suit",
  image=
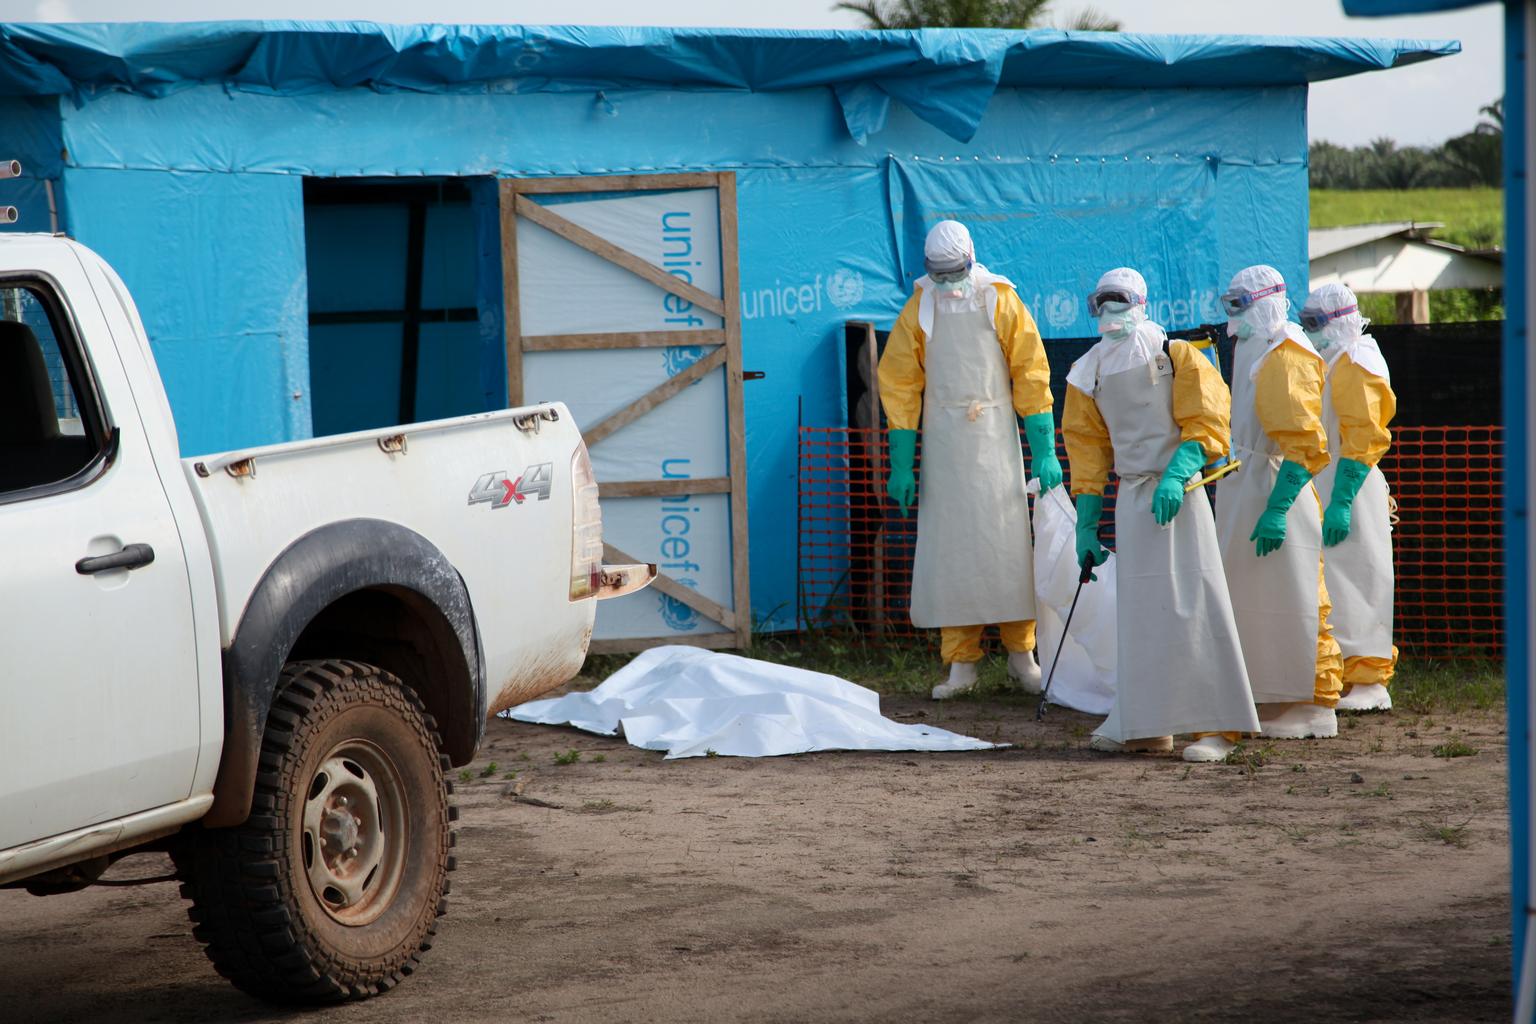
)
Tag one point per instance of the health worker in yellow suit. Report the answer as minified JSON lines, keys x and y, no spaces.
{"x":1358,"y":404}
{"x":1268,"y":517}
{"x":1157,"y":412}
{"x":963,"y":358}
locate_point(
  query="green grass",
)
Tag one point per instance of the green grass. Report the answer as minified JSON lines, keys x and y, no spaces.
{"x":1422,"y":686}
{"x":912,"y":668}
{"x":1473,"y":217}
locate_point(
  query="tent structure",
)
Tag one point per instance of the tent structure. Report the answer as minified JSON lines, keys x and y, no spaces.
{"x":336,"y":225}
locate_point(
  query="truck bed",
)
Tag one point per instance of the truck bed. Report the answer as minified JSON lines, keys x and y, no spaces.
{"x":456,"y":483}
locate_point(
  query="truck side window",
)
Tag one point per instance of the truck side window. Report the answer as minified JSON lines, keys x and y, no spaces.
{"x":46,"y":406}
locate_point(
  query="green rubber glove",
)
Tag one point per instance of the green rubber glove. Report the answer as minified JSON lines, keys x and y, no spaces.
{"x":1347,"y":480}
{"x":1090,"y":508}
{"x":1269,"y":533}
{"x":901,"y":485}
{"x":1169,"y":496}
{"x":1041,"y":431}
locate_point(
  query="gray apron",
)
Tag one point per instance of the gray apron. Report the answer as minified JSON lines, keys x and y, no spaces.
{"x":1180,"y":665}
{"x":974,"y":563}
{"x":1274,"y":598}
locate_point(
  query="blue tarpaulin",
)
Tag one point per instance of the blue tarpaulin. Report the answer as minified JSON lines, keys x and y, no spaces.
{"x":179,"y":152}
{"x":946,"y":77}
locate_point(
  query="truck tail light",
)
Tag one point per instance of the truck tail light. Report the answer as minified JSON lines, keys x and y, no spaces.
{"x":586,"y":529}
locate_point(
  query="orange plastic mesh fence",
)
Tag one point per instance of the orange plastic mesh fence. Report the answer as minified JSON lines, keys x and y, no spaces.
{"x":856,"y":548}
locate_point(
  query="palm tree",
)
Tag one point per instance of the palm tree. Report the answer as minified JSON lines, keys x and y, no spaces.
{"x":912,"y":14}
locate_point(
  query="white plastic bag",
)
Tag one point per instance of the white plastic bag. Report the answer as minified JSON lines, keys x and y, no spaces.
{"x":1085,"y":676}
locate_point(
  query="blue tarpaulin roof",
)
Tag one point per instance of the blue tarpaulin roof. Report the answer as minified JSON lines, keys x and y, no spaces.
{"x":946,"y":77}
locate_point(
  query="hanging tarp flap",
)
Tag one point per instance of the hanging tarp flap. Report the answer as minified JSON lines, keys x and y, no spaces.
{"x":946,"y":77}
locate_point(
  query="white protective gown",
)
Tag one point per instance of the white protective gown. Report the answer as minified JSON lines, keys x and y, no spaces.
{"x":1274,"y":598}
{"x":1359,"y":570}
{"x":1180,"y":668}
{"x":974,"y":563}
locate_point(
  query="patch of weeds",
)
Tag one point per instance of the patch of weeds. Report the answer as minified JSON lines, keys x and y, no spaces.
{"x":466,"y":775}
{"x":599,"y":758}
{"x":1448,"y":686}
{"x":597,"y":806}
{"x":1454,"y":748}
{"x":711,"y":752}
{"x":488,"y":770}
{"x":509,"y":774}
{"x":1382,"y":790}
{"x":1450,"y":835}
{"x":524,"y":756}
{"x":1298,"y":767}
{"x":1078,"y":730}
{"x":569,"y":757}
{"x":1187,"y":770}
{"x":1250,"y":758}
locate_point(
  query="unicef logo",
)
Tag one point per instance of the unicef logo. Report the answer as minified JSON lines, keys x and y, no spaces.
{"x":675,"y":614}
{"x":1060,"y":309}
{"x":845,"y":288}
{"x":678,"y":358}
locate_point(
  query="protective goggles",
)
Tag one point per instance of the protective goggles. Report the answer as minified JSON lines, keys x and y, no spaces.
{"x":1314,"y":319}
{"x":948,"y":272}
{"x":1103,"y":296}
{"x":1237,"y":300}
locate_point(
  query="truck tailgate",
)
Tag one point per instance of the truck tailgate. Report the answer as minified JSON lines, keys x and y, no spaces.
{"x":454,"y":482}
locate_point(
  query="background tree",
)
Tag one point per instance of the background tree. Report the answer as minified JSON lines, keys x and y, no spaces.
{"x":913,"y":14}
{"x":1466,"y":161}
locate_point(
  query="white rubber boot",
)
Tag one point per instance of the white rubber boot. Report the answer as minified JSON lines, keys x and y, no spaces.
{"x":1150,"y":745}
{"x":1300,"y":721}
{"x":1024,"y":670}
{"x":962,"y":676}
{"x":1366,"y":697}
{"x":1209,"y":749}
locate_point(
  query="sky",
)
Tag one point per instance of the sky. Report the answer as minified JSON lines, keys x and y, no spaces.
{"x":1420,"y":105}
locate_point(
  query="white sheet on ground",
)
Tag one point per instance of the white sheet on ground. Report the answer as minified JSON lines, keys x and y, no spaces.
{"x":1085,"y":678}
{"x":690,"y":702}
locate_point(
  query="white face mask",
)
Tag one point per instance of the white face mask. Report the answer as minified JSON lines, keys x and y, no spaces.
{"x":960,"y":290}
{"x":1119,"y":322}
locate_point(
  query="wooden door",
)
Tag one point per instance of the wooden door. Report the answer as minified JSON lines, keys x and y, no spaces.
{"x":600,"y":323}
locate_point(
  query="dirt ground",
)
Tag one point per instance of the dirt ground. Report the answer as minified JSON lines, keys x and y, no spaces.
{"x":1360,"y":879}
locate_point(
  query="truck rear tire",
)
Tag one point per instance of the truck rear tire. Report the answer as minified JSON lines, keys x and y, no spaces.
{"x":331,"y":890}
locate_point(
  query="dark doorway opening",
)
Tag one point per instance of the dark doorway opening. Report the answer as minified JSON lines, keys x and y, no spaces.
{"x":395,"y":302}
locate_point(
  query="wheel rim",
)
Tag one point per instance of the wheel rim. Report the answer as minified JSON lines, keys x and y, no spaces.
{"x":353,"y":841}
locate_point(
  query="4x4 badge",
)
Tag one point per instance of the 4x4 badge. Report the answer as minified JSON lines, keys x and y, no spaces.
{"x":500,"y":490}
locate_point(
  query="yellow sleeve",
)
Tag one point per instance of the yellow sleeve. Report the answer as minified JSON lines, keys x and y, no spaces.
{"x":1089,"y":451}
{"x":901,"y":371}
{"x":1202,"y":405}
{"x":1365,"y":404}
{"x":1025,"y":352}
{"x":1288,"y":396}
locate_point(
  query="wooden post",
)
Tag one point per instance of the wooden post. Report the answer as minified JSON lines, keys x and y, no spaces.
{"x":1413,"y":307}
{"x":730,"y":288}
{"x":512,"y":322}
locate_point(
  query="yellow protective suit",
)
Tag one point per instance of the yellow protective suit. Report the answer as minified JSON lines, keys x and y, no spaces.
{"x":903,"y":376}
{"x":1288,"y":403}
{"x":1213,"y":687}
{"x":1362,"y":405}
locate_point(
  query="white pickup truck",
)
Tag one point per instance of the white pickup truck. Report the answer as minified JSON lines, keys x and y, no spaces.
{"x":263,"y":662}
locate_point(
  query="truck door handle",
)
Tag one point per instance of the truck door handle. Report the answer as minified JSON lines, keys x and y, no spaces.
{"x":133,"y":556}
